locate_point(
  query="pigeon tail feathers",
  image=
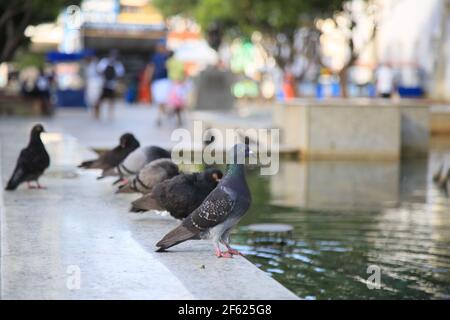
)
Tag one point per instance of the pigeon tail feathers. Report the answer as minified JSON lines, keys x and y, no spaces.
{"x":145,"y":204}
{"x":127,"y":188}
{"x":15,"y":180}
{"x":176,"y":236}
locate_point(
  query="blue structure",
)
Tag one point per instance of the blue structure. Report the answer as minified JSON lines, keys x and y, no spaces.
{"x":69,"y":97}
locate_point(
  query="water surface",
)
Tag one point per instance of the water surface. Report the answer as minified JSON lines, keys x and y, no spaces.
{"x":348,"y":216}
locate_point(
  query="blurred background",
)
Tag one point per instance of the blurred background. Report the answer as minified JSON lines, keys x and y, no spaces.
{"x":274,"y":50}
{"x":360,"y":90}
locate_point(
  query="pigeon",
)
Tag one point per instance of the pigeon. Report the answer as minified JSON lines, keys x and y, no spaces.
{"x":220,"y":211}
{"x":149,"y":176}
{"x":180,"y":195}
{"x":113,"y":158}
{"x":32,"y":162}
{"x":135,"y":161}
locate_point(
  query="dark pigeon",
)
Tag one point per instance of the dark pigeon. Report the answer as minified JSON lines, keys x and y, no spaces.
{"x":113,"y":158}
{"x":220,"y":212}
{"x":180,"y":195}
{"x":32,"y":162}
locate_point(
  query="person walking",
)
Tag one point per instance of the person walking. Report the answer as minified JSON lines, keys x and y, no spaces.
{"x":42,"y":88}
{"x":177,"y":99}
{"x":385,"y":81}
{"x":159,"y":75}
{"x":111,"y":69}
{"x":93,"y":82}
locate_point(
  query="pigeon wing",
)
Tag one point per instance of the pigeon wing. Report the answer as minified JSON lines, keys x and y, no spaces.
{"x":213,"y":211}
{"x":30,"y":162}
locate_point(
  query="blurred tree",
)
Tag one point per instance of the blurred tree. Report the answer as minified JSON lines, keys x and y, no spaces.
{"x":277,"y":20}
{"x":16,"y":15}
{"x":356,"y":24}
{"x":288,"y":27}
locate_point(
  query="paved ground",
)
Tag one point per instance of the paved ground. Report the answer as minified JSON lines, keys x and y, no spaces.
{"x":104,"y":133}
{"x":139,"y":120}
{"x":79,"y":226}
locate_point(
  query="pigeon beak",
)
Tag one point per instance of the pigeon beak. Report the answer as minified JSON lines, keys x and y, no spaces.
{"x":216,"y":177}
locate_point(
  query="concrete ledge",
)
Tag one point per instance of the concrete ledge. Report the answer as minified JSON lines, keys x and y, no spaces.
{"x":334,"y":131}
{"x":79,"y":225}
{"x":337,"y":185}
{"x":415,"y":129}
{"x":355,"y":129}
{"x":440,"y":120}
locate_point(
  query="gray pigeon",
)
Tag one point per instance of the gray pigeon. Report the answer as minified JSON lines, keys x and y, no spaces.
{"x":149,"y":176}
{"x":135,"y":161}
{"x":219,"y":212}
{"x":32,"y":161}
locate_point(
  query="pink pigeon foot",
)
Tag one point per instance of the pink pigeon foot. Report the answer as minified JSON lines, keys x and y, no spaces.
{"x":40,"y":187}
{"x":234,"y":252}
{"x":220,"y":254}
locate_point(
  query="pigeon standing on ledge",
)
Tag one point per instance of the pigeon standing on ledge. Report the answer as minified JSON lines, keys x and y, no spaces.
{"x":220,"y":212}
{"x":32,"y":162}
{"x":111,"y":159}
{"x":180,"y":195}
{"x":135,"y":161}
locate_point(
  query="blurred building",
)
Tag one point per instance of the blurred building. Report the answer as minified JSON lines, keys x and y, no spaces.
{"x":131,"y":26}
{"x":413,"y":36}
{"x":126,"y":25}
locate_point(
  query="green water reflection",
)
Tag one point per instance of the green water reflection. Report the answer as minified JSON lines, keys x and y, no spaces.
{"x":346,"y":217}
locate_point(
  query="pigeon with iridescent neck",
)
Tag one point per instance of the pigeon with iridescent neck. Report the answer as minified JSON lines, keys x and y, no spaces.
{"x":220,"y":211}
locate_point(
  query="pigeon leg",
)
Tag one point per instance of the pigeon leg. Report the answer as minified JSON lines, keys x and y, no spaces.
{"x":226,"y":242}
{"x":30,"y":186}
{"x":118,"y":181}
{"x":232,"y":251}
{"x":220,"y":254}
{"x":39,"y":186}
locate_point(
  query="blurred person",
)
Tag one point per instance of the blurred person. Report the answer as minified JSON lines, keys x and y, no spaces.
{"x":144,"y":93}
{"x":385,"y":81}
{"x":177,"y":97}
{"x":159,"y":77}
{"x":289,"y":86}
{"x":42,"y":92}
{"x":110,"y":69}
{"x":93,"y":81}
{"x":131,"y":95}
